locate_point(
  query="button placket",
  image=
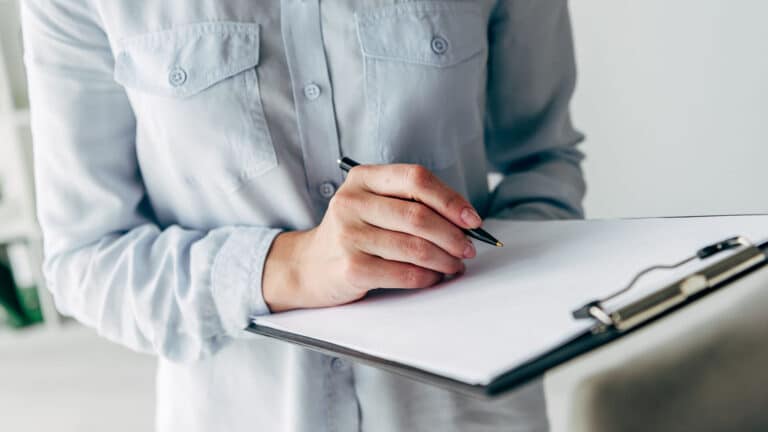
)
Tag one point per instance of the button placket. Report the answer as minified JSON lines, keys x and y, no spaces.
{"x":327,"y":189}
{"x":305,"y":53}
{"x":338,"y":365}
{"x":312,"y":91}
{"x":313,"y":96}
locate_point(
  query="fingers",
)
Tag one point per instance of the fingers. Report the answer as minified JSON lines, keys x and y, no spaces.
{"x":414,"y":182}
{"x":395,"y":246}
{"x":368,"y":272}
{"x":417,"y":220}
{"x":400,"y":226}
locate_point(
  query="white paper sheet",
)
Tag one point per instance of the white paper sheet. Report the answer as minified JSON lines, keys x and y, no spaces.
{"x":513,"y":303}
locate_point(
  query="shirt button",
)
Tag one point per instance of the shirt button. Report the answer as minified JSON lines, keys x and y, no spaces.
{"x":439,"y":45}
{"x":327,"y":190}
{"x":312,"y":91}
{"x":338,"y":365}
{"x":177,"y":77}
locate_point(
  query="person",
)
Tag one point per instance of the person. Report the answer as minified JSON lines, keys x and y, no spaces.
{"x":186,"y":173}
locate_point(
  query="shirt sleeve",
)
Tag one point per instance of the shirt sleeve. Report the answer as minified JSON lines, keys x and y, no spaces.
{"x":529,"y":136}
{"x":176,"y":292}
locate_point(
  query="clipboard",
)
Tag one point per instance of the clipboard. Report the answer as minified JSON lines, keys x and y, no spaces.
{"x":606,"y":323}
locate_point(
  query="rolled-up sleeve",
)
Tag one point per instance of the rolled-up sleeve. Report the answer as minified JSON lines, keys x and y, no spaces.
{"x":529,"y":136}
{"x":176,"y":292}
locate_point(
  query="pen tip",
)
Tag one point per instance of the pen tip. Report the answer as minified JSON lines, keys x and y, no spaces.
{"x":499,"y":244}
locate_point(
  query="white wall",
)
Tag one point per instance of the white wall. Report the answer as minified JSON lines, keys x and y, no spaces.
{"x":673,"y":97}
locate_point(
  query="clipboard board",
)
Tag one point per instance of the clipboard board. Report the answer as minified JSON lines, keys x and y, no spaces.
{"x":606,"y":323}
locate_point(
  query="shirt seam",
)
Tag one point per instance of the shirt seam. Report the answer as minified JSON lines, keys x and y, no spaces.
{"x":185,"y":31}
{"x":373,"y":16}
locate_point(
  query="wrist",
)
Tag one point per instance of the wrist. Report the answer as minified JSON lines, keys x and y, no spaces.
{"x":281,"y":286}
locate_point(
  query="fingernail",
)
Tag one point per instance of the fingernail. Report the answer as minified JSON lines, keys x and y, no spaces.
{"x":469,"y":250}
{"x":470,"y":217}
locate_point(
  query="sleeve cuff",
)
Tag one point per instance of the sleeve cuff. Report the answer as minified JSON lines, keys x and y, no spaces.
{"x":236,"y":277}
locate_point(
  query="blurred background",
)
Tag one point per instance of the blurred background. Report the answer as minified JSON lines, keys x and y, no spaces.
{"x":672,"y":98}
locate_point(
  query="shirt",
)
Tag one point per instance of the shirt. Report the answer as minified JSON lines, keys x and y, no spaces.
{"x":173,"y":140}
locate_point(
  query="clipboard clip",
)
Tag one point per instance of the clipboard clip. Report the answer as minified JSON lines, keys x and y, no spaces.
{"x":660,"y":301}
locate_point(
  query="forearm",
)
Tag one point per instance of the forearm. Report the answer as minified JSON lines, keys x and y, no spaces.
{"x":280,"y":283}
{"x":176,"y":293}
{"x":552,"y":189}
{"x":529,"y":138}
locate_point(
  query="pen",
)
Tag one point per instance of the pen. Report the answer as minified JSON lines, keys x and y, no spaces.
{"x":479,"y":234}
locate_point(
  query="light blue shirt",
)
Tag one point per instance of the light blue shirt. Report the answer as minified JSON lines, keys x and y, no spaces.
{"x":174,"y":139}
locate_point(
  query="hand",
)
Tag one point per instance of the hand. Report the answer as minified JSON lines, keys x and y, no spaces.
{"x":388,"y":226}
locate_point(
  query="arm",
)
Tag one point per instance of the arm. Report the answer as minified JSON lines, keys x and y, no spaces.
{"x":529,"y":136}
{"x":175,"y":292}
{"x":182,"y":293}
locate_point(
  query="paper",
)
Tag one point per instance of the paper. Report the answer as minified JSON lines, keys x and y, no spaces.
{"x":513,"y":303}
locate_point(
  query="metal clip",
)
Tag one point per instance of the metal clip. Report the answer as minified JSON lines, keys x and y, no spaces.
{"x":595,"y":310}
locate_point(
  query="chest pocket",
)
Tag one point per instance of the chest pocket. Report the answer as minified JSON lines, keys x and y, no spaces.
{"x":424,"y":80}
{"x":195,"y":91}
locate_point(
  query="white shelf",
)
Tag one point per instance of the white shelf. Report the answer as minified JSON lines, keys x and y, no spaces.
{"x":17,"y":118}
{"x":17,"y":215}
{"x":15,"y":225}
{"x":21,"y":117}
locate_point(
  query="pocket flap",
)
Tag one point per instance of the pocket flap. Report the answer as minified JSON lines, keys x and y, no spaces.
{"x":186,"y":60}
{"x":432,"y":33}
